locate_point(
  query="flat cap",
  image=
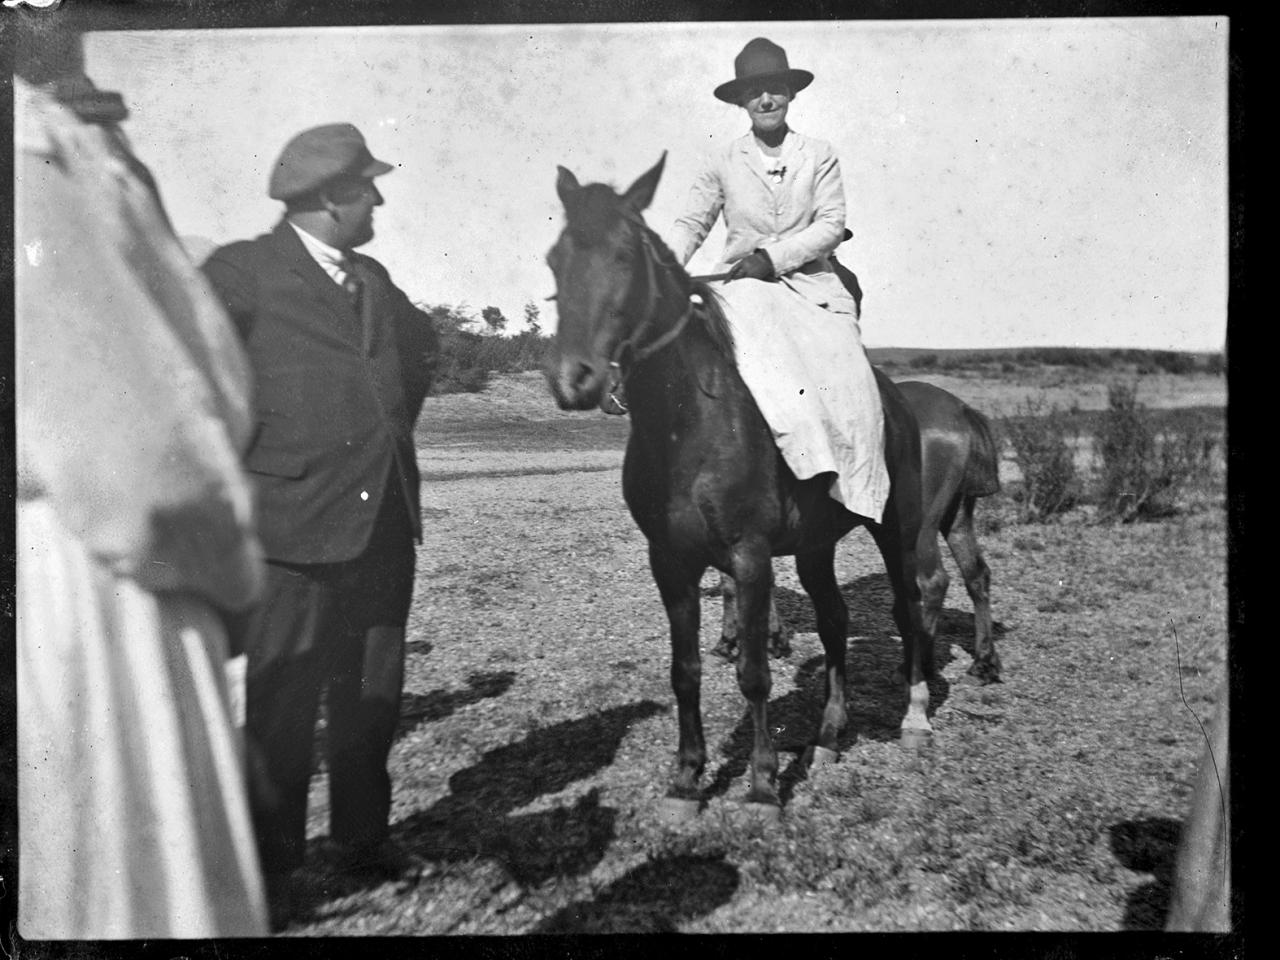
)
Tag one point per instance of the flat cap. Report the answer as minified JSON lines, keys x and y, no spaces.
{"x":317,"y":155}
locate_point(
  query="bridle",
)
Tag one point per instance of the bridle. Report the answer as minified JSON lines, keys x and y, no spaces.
{"x":631,"y":351}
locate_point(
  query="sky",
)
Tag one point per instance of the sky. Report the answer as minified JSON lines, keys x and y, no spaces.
{"x":1019,"y":182}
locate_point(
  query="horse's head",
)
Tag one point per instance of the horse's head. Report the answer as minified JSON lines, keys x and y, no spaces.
{"x":597,"y":263}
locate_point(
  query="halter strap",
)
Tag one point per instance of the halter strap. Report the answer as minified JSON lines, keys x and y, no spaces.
{"x":643,"y":352}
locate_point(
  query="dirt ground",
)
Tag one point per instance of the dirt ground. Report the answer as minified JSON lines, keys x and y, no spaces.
{"x":538,"y":723}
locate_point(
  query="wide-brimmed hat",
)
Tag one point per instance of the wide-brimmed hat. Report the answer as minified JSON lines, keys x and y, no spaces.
{"x":759,"y":61}
{"x":316,"y":156}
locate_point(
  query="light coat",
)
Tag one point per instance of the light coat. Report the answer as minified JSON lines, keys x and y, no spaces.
{"x":133,"y":521}
{"x":798,"y":221}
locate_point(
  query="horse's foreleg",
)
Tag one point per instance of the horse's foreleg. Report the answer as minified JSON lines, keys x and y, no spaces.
{"x":753,"y":570}
{"x":977,"y":580}
{"x":912,"y":562}
{"x":679,"y":586}
{"x":818,"y":577}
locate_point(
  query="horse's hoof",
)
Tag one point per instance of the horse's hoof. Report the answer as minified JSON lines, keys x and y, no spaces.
{"x":762,"y":812}
{"x":677,"y":810}
{"x":726,"y":650}
{"x":984,"y":672}
{"x":914,"y":738}
{"x":822,"y":757}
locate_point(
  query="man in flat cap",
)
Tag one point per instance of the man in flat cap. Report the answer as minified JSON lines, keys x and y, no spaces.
{"x":341,"y":364}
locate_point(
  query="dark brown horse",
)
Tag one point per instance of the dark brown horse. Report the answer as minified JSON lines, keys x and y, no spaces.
{"x":959,"y":465}
{"x":703,"y":477}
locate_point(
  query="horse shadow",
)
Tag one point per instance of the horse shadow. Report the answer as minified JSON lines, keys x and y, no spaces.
{"x":875,"y":702}
{"x":475,"y":819}
{"x":655,"y":897}
{"x":1148,"y":846}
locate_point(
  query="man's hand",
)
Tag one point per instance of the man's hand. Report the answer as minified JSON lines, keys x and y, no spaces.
{"x":757,"y":266}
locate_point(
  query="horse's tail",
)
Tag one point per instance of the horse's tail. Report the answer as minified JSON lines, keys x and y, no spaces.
{"x":982,"y":471}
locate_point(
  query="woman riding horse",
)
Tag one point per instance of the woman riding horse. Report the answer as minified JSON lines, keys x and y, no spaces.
{"x":795,"y":324}
{"x":736,"y":434}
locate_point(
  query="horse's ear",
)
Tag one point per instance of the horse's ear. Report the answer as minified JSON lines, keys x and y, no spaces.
{"x":640,"y":194}
{"x":566,"y":183}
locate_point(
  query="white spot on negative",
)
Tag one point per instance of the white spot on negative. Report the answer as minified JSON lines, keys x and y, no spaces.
{"x":364,"y":494}
{"x":35,"y":252}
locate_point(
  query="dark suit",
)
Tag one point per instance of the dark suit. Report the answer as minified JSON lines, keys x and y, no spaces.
{"x":337,"y":388}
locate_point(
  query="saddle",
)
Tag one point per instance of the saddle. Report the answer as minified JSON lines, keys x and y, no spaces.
{"x":850,"y":281}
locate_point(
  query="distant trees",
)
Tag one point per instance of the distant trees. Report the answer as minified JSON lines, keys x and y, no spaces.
{"x":494,"y":320}
{"x":472,"y":348}
{"x":1086,"y":358}
{"x":531,"y":322}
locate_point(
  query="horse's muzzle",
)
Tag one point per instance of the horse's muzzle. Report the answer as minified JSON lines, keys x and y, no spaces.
{"x":577,"y":384}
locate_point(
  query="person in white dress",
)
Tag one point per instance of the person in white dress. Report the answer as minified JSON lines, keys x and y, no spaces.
{"x":799,"y":347}
{"x":134,"y":533}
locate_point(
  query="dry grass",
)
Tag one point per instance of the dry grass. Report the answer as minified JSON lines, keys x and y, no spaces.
{"x":538,"y":728}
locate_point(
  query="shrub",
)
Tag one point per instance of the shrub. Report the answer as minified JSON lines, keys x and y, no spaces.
{"x":1144,"y":471}
{"x":1043,"y":438}
{"x":458,"y":369}
{"x":1172,"y":361}
{"x":467,"y":357}
{"x":924,"y":361}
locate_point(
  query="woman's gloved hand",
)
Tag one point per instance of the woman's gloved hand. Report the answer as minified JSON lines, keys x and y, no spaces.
{"x":756,"y":266}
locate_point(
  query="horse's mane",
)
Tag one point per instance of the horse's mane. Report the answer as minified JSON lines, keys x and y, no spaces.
{"x":714,"y":323}
{"x":710,"y":314}
{"x":595,"y":214}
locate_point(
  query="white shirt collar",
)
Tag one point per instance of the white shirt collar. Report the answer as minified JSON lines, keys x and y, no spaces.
{"x":332,"y":260}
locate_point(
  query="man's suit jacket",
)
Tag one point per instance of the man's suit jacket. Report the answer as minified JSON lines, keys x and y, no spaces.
{"x":334,"y":405}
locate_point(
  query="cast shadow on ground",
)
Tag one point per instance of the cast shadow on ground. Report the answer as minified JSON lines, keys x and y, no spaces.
{"x":1148,"y":846}
{"x":419,"y":708}
{"x":473,"y":821}
{"x":655,"y":897}
{"x":870,"y":602}
{"x":876,"y":701}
